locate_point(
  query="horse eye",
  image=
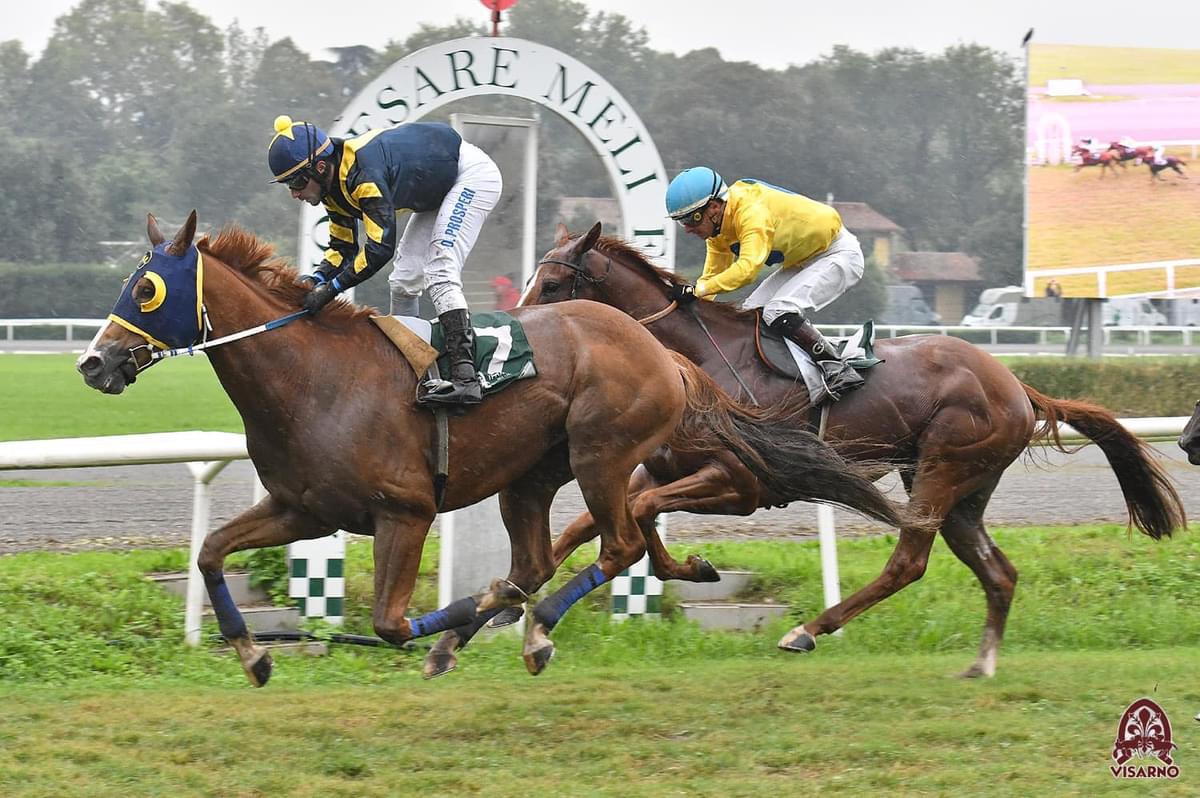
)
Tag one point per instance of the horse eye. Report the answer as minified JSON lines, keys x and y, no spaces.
{"x":143,"y":291}
{"x":549,"y":287}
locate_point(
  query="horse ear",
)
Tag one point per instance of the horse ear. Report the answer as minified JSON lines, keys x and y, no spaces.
{"x":152,"y":232}
{"x":591,"y":238}
{"x":183,"y":239}
{"x":561,"y":235}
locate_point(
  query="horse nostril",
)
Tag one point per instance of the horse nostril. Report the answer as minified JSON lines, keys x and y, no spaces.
{"x":91,"y":365}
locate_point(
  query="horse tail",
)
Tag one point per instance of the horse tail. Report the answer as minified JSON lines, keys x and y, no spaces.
{"x":776,"y":446}
{"x":1153,"y":503}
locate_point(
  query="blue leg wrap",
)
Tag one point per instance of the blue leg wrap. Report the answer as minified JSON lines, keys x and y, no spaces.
{"x":552,"y":608}
{"x":229,"y":619}
{"x":457,"y":613}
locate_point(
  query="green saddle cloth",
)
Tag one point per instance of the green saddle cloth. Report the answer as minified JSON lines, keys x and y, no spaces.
{"x":502,"y":352}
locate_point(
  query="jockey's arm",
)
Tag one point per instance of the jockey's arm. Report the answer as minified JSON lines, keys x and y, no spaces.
{"x":343,"y":245}
{"x":754,"y":247}
{"x":379,"y":245}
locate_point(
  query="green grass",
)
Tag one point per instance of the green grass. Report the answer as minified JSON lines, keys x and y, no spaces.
{"x":100,"y":698}
{"x":45,"y":397}
{"x":1112,"y":65}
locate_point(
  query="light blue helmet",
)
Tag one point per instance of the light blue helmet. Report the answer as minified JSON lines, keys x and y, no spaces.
{"x":691,"y":190}
{"x":295,"y":146}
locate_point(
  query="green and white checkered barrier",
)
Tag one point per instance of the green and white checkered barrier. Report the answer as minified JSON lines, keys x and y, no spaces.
{"x":636,"y":590}
{"x":316,"y":577}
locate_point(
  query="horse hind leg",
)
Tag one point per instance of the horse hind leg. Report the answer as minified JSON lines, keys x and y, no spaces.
{"x":603,"y":486}
{"x":965,"y":534}
{"x":525,"y":510}
{"x":940,"y":483}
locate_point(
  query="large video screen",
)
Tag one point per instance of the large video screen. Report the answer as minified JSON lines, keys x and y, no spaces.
{"x":1112,"y":184}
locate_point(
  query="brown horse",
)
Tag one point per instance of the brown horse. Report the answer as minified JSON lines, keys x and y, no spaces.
{"x":337,"y":440}
{"x":949,"y":416}
{"x":1107,"y":160}
{"x":1189,"y":439}
{"x":1127,"y":153}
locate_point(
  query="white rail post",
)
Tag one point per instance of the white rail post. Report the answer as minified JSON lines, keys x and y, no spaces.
{"x":829,"y":564}
{"x":202,"y":473}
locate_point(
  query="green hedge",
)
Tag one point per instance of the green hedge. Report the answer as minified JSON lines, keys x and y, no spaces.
{"x":88,"y":290}
{"x":59,"y":290}
{"x":1130,"y":387}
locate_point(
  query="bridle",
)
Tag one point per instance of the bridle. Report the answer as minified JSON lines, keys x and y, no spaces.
{"x":581,"y":273}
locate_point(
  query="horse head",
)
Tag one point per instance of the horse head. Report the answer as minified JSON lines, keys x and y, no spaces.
{"x":600,"y":268}
{"x":1189,"y":439}
{"x":160,"y":307}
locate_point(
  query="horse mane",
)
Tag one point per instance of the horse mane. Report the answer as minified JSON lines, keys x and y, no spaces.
{"x":256,"y":260}
{"x":611,"y":245}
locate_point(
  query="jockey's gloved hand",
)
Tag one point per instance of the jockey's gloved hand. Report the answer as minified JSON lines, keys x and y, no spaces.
{"x":683,"y":293}
{"x":314,"y":279}
{"x":318,"y":297}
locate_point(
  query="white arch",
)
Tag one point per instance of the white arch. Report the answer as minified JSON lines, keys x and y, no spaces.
{"x":442,"y":73}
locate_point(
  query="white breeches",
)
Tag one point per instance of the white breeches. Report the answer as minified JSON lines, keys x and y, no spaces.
{"x":435,"y":245}
{"x":812,"y":284}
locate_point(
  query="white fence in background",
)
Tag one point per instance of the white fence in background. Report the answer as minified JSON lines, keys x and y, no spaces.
{"x":1181,"y":336}
{"x":1101,"y":274}
{"x":207,"y":453}
{"x":69,"y":326}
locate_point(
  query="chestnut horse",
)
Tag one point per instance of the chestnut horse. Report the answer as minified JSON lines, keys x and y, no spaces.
{"x":1127,"y":153}
{"x":1106,"y":160}
{"x":945,"y":413}
{"x":338,"y":442}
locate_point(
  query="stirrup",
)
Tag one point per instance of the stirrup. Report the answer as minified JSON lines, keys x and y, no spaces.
{"x":445,"y":392}
{"x":840,"y":377}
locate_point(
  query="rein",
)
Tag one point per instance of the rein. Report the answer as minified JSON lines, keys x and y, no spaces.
{"x":156,"y":355}
{"x":581,"y":273}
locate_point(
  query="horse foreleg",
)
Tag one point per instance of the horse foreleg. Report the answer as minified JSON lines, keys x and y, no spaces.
{"x":399,"y":538}
{"x":268,"y":523}
{"x":525,"y":510}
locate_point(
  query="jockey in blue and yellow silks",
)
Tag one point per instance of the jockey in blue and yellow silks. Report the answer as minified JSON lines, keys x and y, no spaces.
{"x":752,"y":224}
{"x":449,"y":185}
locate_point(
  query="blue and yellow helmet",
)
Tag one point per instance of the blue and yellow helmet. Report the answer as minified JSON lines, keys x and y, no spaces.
{"x":691,"y":190}
{"x":295,"y":146}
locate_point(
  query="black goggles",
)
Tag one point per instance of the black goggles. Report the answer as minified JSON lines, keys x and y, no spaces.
{"x":691,"y":219}
{"x":298,"y":181}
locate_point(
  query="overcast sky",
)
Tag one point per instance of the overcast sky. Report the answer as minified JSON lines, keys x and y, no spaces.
{"x":773,"y":33}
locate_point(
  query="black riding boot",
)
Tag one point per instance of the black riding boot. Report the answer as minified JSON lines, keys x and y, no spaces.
{"x":463,"y":387}
{"x":839,"y":375}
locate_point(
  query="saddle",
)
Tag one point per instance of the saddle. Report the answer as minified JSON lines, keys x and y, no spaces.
{"x":503,"y":354}
{"x":787,"y":359}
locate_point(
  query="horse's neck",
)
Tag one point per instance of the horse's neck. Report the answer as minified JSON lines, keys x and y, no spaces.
{"x":261,"y":373}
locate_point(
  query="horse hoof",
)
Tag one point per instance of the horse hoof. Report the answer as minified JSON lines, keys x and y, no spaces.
{"x":801,"y":642}
{"x":506,"y":617}
{"x":705,"y":571}
{"x":259,"y":671}
{"x":537,"y":659}
{"x":508,"y":592}
{"x":438,"y":663}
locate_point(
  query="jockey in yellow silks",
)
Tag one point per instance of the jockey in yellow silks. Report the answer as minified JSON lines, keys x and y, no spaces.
{"x":751,"y":225}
